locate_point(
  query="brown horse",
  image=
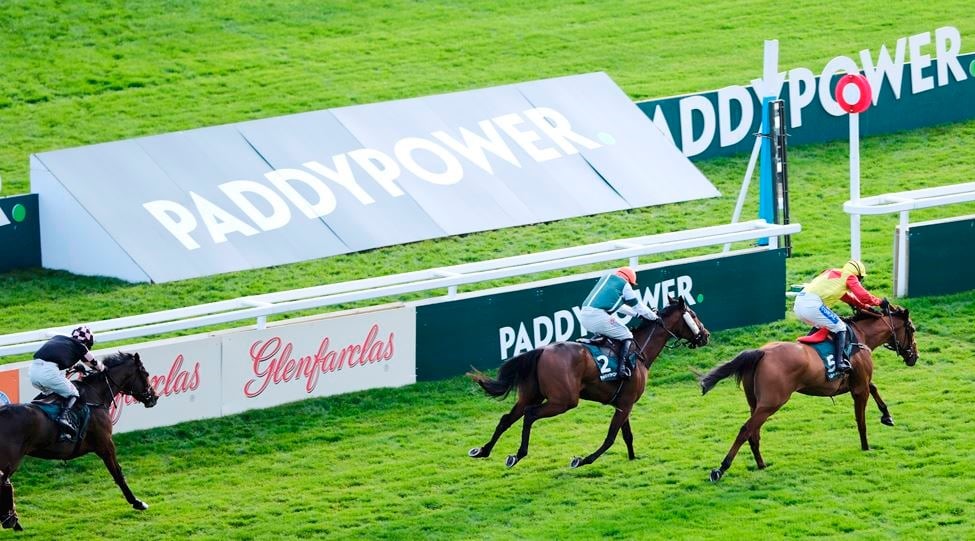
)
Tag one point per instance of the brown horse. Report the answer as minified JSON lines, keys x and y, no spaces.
{"x":773,"y":372}
{"x":552,"y":379}
{"x":26,"y":430}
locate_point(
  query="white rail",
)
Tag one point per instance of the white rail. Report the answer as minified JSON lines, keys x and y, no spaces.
{"x":903,"y":203}
{"x":260,"y":306}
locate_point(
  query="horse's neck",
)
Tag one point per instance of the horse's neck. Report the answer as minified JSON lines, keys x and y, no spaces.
{"x":658,"y":336}
{"x":874,"y":331}
{"x":94,"y":390}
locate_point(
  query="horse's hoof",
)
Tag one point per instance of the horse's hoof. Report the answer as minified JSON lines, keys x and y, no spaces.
{"x":887,"y":420}
{"x":575,"y":462}
{"x":716,"y":475}
{"x":140,"y":505}
{"x":474,"y":453}
{"x":18,"y":527}
{"x":511,"y":461}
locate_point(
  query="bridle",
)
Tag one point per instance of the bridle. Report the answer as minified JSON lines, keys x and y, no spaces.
{"x":697,"y":340}
{"x":113,"y":387}
{"x":893,"y":344}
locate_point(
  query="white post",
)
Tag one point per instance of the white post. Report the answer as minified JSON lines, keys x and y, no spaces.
{"x":749,"y":171}
{"x":635,"y":261}
{"x":854,"y":184}
{"x":902,"y":256}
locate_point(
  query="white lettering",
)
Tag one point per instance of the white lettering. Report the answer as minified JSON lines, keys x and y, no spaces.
{"x":507,"y":338}
{"x":282,"y":178}
{"x":836,"y":65}
{"x":660,"y":121}
{"x":688,"y":106}
{"x":523,"y":342}
{"x":892,"y":70}
{"x":525,"y":139}
{"x":219,"y":222}
{"x":176,"y":218}
{"x":564,"y":325}
{"x":948,"y":43}
{"x":280,"y":213}
{"x":540,"y":325}
{"x":919,"y":61}
{"x":342,"y":175}
{"x":404,"y":149}
{"x":728,"y":94}
{"x":474,"y":145}
{"x":380,"y":167}
{"x":557,"y":127}
{"x":582,"y":328}
{"x":684,"y":284}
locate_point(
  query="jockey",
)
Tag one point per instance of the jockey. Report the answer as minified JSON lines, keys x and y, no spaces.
{"x":614,"y":292}
{"x":813,"y":303}
{"x":57,"y":354}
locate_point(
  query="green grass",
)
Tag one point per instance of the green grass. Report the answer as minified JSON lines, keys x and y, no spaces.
{"x":392,"y":463}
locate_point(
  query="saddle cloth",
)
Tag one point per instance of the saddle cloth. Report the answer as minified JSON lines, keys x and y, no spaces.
{"x":604,"y":355}
{"x":80,"y":414}
{"x":822,"y":342}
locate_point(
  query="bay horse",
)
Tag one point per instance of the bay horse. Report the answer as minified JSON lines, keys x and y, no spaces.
{"x":770,"y":374}
{"x":551,"y":379}
{"x":26,"y":430}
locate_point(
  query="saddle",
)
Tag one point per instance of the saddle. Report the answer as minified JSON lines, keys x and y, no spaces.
{"x":603,"y":351}
{"x":821,"y":341}
{"x":51,"y":405}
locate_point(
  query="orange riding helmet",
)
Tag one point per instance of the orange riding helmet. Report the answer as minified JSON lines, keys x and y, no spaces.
{"x":627,"y":274}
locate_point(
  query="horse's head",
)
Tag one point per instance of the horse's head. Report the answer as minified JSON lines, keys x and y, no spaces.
{"x":894,"y":323}
{"x":126,"y":374}
{"x":902,"y":336}
{"x":682,"y":322}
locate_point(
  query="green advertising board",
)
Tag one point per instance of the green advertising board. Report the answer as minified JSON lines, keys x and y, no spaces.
{"x":485,"y":328}
{"x":951,"y":98}
{"x":940,"y":258}
{"x":20,"y":233}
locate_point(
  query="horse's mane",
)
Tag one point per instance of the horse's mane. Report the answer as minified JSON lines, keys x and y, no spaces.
{"x":664,"y":312}
{"x":111,"y":361}
{"x":872,"y":314}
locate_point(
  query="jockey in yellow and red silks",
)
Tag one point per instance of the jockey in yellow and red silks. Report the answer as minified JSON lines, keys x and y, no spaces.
{"x":813,"y":303}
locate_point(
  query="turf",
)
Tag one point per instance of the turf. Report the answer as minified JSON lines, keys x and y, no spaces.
{"x":392,"y":463}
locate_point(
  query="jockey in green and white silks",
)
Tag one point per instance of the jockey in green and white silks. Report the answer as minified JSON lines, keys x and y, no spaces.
{"x":830,"y":286}
{"x":614,"y":293}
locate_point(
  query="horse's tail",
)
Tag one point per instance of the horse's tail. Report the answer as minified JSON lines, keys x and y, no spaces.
{"x":744,"y":360}
{"x":511,"y":373}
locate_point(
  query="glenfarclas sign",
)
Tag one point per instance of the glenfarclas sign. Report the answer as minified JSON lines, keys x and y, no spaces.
{"x":273,"y":361}
{"x":177,"y":380}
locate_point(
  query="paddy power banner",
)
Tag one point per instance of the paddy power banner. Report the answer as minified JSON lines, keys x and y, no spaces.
{"x":20,"y":234}
{"x":921,"y":80}
{"x":485,"y":328}
{"x":286,"y":189}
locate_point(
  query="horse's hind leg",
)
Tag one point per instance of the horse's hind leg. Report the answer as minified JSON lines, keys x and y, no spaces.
{"x":619,"y":417}
{"x":532,"y":414}
{"x":754,"y":440}
{"x":752,"y":426}
{"x":505,"y":423}
{"x":885,"y":417}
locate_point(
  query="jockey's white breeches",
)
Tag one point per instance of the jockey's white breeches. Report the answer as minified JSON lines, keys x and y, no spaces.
{"x":810,"y":309}
{"x":47,"y":377}
{"x":600,"y":322}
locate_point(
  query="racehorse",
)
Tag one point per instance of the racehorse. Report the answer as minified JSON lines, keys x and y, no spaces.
{"x":551,"y":380}
{"x":773,"y":372}
{"x":26,"y":430}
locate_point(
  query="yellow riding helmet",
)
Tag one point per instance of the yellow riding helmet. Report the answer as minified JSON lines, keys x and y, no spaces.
{"x":855,"y":267}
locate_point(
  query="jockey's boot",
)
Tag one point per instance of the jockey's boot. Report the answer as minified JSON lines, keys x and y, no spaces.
{"x":843,"y":366}
{"x":68,"y":430}
{"x":625,"y":370}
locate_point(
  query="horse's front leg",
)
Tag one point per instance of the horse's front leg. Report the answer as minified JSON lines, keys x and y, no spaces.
{"x":885,"y":417}
{"x":108,"y":457}
{"x":619,"y":417}
{"x":628,"y":438}
{"x":860,"y":408}
{"x":8,"y":511}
